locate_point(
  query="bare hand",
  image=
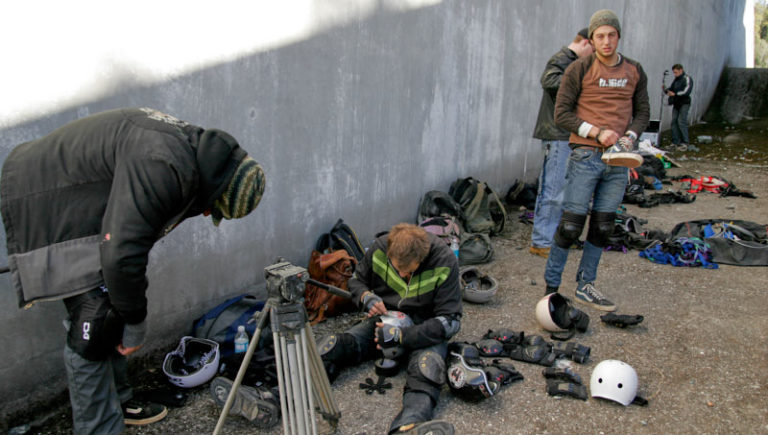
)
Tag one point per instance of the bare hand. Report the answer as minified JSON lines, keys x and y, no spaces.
{"x":379,"y":325}
{"x":125,"y":351}
{"x":378,"y":309}
{"x":607,"y":137}
{"x":670,"y":93}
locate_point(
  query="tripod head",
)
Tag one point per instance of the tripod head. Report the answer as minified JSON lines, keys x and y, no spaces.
{"x":286,"y":282}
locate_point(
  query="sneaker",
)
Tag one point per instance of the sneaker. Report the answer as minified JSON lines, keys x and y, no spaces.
{"x":432,"y":427}
{"x":682,"y":147}
{"x":258,"y":405}
{"x":136,"y":413}
{"x":619,"y":156}
{"x":589,"y":295}
{"x":541,"y":252}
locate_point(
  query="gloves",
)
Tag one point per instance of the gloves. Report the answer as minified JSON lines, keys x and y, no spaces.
{"x":621,"y":320}
{"x":389,"y":338}
{"x":566,"y":375}
{"x":557,"y":388}
{"x":369,"y":300}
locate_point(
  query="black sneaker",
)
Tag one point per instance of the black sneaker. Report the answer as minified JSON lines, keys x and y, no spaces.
{"x":136,"y":413}
{"x":259,"y":405}
{"x":587,"y":294}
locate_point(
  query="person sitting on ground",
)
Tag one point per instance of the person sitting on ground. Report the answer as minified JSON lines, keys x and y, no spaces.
{"x":414,"y":272}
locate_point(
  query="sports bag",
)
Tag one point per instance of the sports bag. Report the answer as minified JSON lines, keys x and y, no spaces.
{"x":437,"y":203}
{"x":444,"y":227}
{"x":220,"y":323}
{"x":475,"y":249}
{"x":341,"y":236}
{"x":334,"y":268}
{"x":483,"y":210}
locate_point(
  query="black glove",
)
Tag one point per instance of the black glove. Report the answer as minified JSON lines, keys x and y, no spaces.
{"x":505,"y":335}
{"x":557,"y":388}
{"x":621,"y":320}
{"x":565,"y":374}
{"x":389,"y":338}
{"x":369,"y":300}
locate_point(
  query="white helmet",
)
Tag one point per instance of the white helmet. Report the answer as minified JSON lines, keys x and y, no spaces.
{"x":194,"y":362}
{"x":476,"y":286}
{"x":551,"y":312}
{"x":614,"y":380}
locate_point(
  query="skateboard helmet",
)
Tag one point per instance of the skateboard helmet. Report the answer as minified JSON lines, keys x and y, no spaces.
{"x":614,"y":380}
{"x":194,"y":362}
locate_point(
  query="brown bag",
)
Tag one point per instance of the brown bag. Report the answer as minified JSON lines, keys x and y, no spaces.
{"x":334,"y":268}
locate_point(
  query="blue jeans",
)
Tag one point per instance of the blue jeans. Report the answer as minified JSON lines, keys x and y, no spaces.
{"x":680,"y":124}
{"x":549,"y":201}
{"x":587,"y":178}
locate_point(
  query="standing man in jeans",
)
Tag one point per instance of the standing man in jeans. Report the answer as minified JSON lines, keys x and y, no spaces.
{"x":602,"y":101}
{"x":680,"y":98}
{"x":554,"y":140}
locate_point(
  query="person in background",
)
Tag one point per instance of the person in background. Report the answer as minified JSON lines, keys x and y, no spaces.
{"x":679,"y":93}
{"x":554,"y":141}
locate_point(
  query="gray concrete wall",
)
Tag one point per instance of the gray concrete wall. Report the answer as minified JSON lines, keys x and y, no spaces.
{"x":742,"y":93}
{"x":356,"y":120}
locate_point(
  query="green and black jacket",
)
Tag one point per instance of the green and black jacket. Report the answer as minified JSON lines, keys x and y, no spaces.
{"x":434,"y":289}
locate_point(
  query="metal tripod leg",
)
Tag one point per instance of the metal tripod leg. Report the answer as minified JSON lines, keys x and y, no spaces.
{"x":265,"y":313}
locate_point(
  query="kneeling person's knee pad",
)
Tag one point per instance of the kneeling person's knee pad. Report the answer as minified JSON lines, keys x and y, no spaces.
{"x":601,"y":228}
{"x":569,"y":229}
{"x":336,"y":348}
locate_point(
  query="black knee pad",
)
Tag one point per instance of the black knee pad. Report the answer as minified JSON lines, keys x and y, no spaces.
{"x":569,"y":230}
{"x":95,"y":328}
{"x":337,"y":348}
{"x":601,"y":228}
{"x":426,"y":373}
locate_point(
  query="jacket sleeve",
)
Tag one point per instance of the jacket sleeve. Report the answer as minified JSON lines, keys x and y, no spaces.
{"x":553,"y":73}
{"x":447,"y":312}
{"x":146,"y":193}
{"x":686,"y":88}
{"x":361,"y":280}
{"x":641,"y":108}
{"x":567,"y":97}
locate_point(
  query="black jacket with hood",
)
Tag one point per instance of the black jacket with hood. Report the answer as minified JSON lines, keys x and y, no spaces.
{"x":682,"y":87}
{"x":434,"y":289}
{"x":546,"y":129}
{"x":84,"y":205}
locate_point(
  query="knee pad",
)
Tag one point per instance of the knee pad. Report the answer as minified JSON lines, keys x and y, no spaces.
{"x":569,"y":229}
{"x":95,"y":328}
{"x":600,"y":228}
{"x":428,"y":365}
{"x":336,"y":348}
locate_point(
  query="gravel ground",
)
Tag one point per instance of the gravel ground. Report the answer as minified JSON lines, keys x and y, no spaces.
{"x":700,"y":353}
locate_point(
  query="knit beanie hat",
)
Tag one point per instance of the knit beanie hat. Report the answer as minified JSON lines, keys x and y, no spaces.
{"x":604,"y":17}
{"x":242,"y":194}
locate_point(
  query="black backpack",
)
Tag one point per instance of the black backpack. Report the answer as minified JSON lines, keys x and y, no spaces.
{"x":483,"y":210}
{"x":437,"y":203}
{"x":341,"y":236}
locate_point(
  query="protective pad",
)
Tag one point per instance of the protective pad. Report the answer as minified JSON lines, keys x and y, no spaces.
{"x":557,"y":388}
{"x":431,"y":366}
{"x":569,"y":229}
{"x":601,"y":225}
{"x":566,"y":375}
{"x":489,"y":347}
{"x":505,"y":335}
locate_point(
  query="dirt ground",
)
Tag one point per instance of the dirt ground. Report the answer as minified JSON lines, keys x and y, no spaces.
{"x":700,"y":354}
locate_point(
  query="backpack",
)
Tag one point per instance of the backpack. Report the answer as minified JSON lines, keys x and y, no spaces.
{"x":437,"y":203}
{"x":483,"y":210}
{"x":220,"y":323}
{"x":341,"y":236}
{"x":523,"y":194}
{"x":475,"y":249}
{"x":333,"y":268}
{"x":444,"y":227}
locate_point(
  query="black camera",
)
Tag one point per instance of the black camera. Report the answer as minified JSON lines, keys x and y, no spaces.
{"x":286,"y":281}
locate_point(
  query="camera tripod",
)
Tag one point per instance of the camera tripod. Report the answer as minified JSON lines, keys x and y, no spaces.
{"x":301,"y":375}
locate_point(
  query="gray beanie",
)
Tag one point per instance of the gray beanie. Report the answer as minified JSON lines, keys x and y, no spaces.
{"x":604,"y":17}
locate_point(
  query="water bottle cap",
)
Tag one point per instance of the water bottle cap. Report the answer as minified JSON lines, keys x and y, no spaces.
{"x":240,"y":328}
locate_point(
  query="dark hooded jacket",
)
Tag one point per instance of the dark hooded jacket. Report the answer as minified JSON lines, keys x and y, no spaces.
{"x":434,"y":289}
{"x":84,"y":205}
{"x":550,"y":82}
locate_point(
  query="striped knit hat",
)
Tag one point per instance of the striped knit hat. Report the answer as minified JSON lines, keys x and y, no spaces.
{"x":243,"y":193}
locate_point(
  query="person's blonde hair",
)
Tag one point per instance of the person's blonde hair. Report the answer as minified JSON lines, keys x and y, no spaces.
{"x":407,"y":243}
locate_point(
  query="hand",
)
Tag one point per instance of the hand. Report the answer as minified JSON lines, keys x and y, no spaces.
{"x":379,"y":325}
{"x":377,"y":309}
{"x":125,"y":351}
{"x":670,"y":93}
{"x":607,"y":137}
{"x":373,"y":304}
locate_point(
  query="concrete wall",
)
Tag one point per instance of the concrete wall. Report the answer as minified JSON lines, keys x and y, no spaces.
{"x":742,"y":93}
{"x":355,"y":108}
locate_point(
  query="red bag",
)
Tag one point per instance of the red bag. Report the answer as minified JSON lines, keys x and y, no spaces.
{"x":334,"y":268}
